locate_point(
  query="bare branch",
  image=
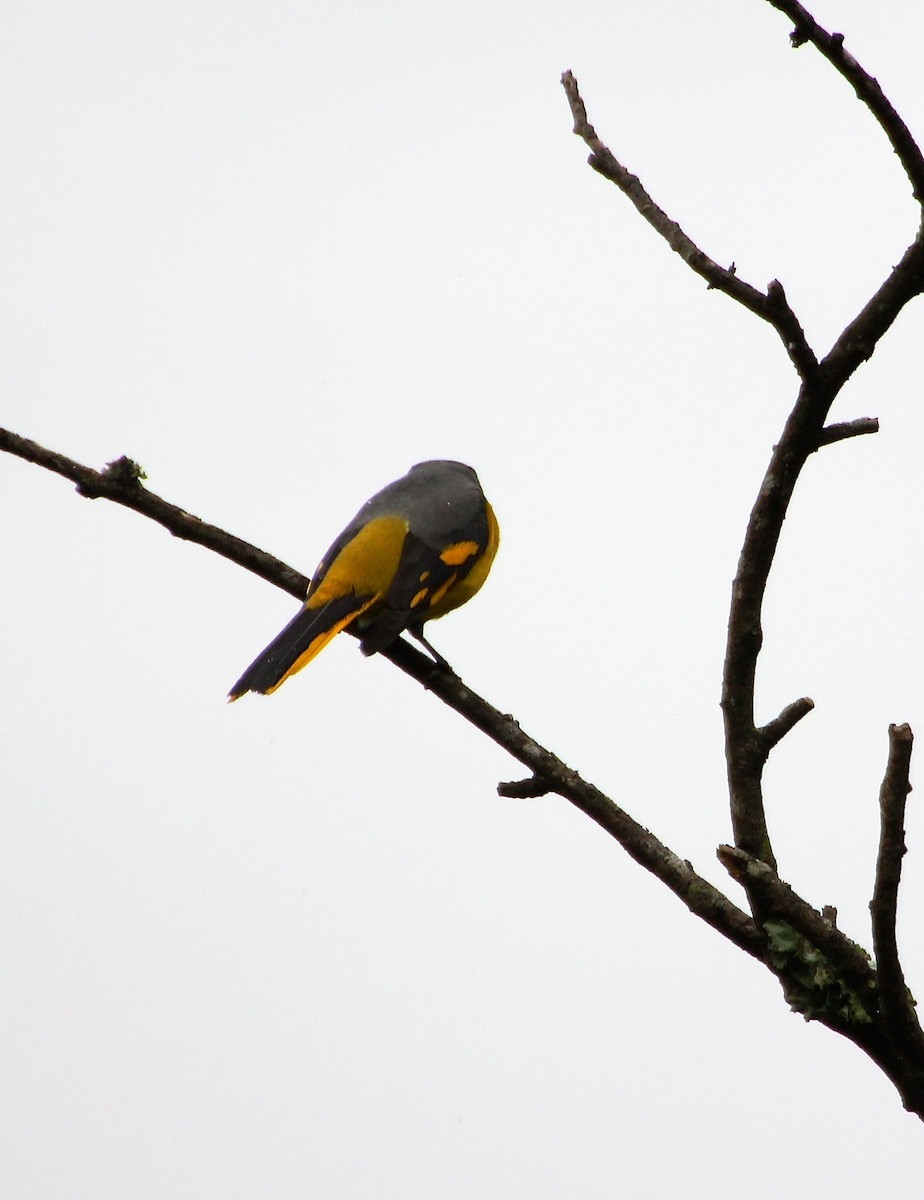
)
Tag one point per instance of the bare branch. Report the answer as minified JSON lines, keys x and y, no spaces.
{"x":804,"y":433}
{"x":699,"y":896}
{"x":848,"y":429}
{"x":831,"y":45}
{"x":892,"y":797}
{"x":860,"y":338}
{"x":774,"y":731}
{"x":884,"y":904}
{"x":746,"y":745}
{"x":122,"y":484}
{"x":772,"y":307}
{"x":900,"y":1019}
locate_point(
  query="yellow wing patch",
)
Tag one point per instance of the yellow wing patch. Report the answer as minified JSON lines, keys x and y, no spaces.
{"x":366,"y":565}
{"x":466,"y":587}
{"x":456,"y":554}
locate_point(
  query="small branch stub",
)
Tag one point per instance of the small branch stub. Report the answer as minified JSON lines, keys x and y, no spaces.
{"x":774,"y":731}
{"x":847,"y":429}
{"x":525,"y":789}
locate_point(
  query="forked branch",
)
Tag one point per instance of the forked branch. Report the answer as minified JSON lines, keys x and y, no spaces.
{"x":802,"y":943}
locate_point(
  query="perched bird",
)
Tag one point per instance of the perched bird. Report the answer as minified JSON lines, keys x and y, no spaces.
{"x":418,"y":549}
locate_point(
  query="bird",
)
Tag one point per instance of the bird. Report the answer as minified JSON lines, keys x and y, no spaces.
{"x":419,"y":548}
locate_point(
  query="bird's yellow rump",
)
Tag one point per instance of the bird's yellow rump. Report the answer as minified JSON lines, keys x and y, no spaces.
{"x":418,"y":549}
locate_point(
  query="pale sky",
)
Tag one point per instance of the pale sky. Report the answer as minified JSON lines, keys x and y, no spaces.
{"x":298,"y":947}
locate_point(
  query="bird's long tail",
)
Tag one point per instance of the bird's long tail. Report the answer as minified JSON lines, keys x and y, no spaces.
{"x":306,"y":635}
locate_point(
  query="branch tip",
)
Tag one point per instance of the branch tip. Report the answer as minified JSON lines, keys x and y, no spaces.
{"x":897,"y":1002}
{"x":866,"y":87}
{"x":771,"y":307}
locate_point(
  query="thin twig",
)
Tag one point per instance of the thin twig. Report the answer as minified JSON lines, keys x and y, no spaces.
{"x":867,"y":88}
{"x":121,"y":483}
{"x":771,"y":307}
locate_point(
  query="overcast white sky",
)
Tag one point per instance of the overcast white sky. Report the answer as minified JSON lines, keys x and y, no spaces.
{"x":277,"y":253}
